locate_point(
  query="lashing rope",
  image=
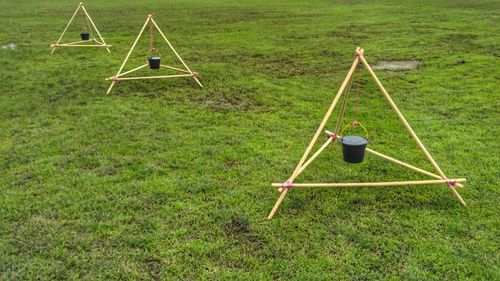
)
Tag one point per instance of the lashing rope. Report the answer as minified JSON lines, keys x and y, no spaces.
{"x":451,"y":183}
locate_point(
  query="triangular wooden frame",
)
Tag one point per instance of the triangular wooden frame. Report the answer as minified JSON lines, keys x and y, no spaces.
{"x":333,"y":136}
{"x":91,"y":25}
{"x":187,"y":72}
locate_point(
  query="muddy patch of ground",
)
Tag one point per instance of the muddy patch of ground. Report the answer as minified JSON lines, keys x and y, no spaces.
{"x":397,"y":65}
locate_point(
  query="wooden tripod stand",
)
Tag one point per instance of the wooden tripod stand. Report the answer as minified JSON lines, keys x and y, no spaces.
{"x":333,"y":136}
{"x":185,"y":72}
{"x":91,"y":26}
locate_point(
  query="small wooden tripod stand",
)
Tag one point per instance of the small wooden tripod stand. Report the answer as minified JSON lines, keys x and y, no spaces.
{"x":83,"y":43}
{"x":333,"y":136}
{"x":186,"y":72}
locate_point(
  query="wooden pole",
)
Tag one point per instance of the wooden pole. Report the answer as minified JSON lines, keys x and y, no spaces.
{"x":370,"y":184}
{"x":130,"y":52}
{"x":401,"y":163}
{"x":97,"y":30}
{"x":175,"y":68}
{"x":318,"y":132}
{"x":150,"y":77}
{"x":65,"y":45}
{"x":99,"y":42}
{"x":175,"y":52}
{"x":410,"y":130}
{"x":70,"y":43}
{"x":309,"y":161}
{"x":66,"y":28}
{"x":130,"y":71}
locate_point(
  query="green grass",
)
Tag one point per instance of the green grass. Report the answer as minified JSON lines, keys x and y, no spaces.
{"x":165,"y":180}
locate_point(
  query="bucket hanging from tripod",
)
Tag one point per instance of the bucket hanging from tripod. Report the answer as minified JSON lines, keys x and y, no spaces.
{"x":353,"y":146}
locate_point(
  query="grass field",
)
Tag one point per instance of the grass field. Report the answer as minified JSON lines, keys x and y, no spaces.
{"x":165,"y":180}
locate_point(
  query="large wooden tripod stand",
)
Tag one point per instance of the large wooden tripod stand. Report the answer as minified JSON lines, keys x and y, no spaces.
{"x":83,"y":43}
{"x":184,"y":72}
{"x":440,"y":177}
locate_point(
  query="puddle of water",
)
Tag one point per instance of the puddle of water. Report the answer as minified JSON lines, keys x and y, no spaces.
{"x":397,"y":65}
{"x":11,"y":46}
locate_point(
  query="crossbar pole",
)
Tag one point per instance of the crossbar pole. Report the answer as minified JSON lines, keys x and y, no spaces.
{"x":371,"y":184}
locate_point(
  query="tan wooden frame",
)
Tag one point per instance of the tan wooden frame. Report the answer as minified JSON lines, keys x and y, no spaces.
{"x":101,"y":44}
{"x":118,"y":77}
{"x":304,"y":162}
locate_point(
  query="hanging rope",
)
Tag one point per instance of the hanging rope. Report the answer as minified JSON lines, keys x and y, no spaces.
{"x":152,"y":48}
{"x":343,"y":107}
{"x":151,"y":37}
{"x":344,"y":102}
{"x":358,"y":89}
{"x":88,"y":25}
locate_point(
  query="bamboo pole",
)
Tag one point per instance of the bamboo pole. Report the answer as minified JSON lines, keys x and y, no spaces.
{"x":310,"y":160}
{"x":175,"y":68}
{"x":130,"y":52}
{"x":66,"y":28}
{"x":370,"y":184}
{"x":65,"y":45}
{"x":409,"y":129}
{"x":71,"y":43}
{"x":318,"y":132}
{"x":343,"y":106}
{"x":98,"y":42}
{"x":127,"y":72}
{"x":150,"y":77}
{"x":401,"y":163}
{"x":175,"y":52}
{"x":97,"y":30}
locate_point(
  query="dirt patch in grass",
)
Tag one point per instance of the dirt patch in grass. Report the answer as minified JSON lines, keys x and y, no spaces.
{"x":397,"y":65}
{"x":237,"y":226}
{"x":229,"y":98}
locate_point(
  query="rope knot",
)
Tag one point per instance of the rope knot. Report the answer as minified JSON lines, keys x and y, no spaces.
{"x":194,"y":74}
{"x":451,"y":183}
{"x":333,"y":136}
{"x":114,"y":78}
{"x":355,"y":123}
{"x":359,"y":54}
{"x":287,"y":185}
